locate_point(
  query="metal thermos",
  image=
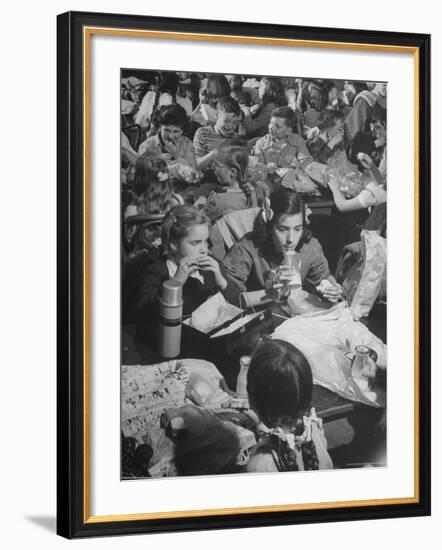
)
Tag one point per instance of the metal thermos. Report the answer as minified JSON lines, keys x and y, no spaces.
{"x":171,"y":312}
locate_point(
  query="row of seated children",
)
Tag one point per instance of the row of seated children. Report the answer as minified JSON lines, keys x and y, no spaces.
{"x":228,"y":160}
{"x":229,"y":119}
{"x":257,"y":97}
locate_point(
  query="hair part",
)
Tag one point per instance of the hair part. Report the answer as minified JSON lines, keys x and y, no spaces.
{"x":284,"y":202}
{"x":233,"y":154}
{"x":279,"y":382}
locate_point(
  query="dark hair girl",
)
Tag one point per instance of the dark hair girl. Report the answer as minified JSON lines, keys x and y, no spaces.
{"x":280,"y":387}
{"x":279,"y":229}
{"x":279,"y":383}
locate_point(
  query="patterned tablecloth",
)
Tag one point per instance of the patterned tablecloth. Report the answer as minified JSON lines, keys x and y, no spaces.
{"x":147,"y":391}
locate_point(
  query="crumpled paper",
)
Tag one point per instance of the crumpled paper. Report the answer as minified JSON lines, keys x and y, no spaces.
{"x":212,"y":313}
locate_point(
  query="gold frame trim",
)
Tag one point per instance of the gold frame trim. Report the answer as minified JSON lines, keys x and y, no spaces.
{"x":87,"y":33}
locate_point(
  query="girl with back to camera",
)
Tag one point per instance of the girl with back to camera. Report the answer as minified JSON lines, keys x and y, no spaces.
{"x":280,"y":386}
{"x":153,"y":190}
{"x":230,"y":166}
{"x":279,"y":231}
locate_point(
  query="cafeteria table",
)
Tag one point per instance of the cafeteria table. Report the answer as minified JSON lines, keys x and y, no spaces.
{"x":348,"y":425}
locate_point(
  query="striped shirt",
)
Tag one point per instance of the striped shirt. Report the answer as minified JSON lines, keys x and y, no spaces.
{"x":205,"y":140}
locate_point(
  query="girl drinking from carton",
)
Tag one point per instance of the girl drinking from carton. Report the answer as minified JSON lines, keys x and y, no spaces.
{"x":279,"y":232}
{"x":280,"y":387}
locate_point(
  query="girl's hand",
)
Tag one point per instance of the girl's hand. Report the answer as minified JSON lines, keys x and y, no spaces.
{"x":207,"y":263}
{"x":186,"y":267}
{"x":333,"y":293}
{"x":365,"y":160}
{"x":333,"y":183}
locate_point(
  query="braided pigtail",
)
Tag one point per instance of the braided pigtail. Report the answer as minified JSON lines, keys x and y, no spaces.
{"x":285,"y":447}
{"x":154,"y":126}
{"x":284,"y":454}
{"x":280,"y":388}
{"x":233,"y":154}
{"x":249,"y":192}
{"x":155,"y":103}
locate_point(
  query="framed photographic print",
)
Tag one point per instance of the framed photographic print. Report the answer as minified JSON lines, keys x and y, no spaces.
{"x":226,"y":282}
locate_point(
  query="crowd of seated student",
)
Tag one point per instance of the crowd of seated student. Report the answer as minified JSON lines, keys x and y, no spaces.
{"x":199,"y":136}
{"x":276,"y":122}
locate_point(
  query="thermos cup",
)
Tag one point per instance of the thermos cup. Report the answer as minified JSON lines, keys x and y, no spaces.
{"x":241,"y":382}
{"x":171,"y":312}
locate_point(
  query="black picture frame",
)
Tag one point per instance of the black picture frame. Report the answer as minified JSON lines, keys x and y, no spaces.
{"x":73,"y":520}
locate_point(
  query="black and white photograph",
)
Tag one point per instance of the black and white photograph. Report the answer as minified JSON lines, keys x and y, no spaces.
{"x":253,"y":273}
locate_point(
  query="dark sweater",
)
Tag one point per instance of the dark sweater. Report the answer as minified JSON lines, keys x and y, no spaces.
{"x":248,"y":265}
{"x":142,"y":292}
